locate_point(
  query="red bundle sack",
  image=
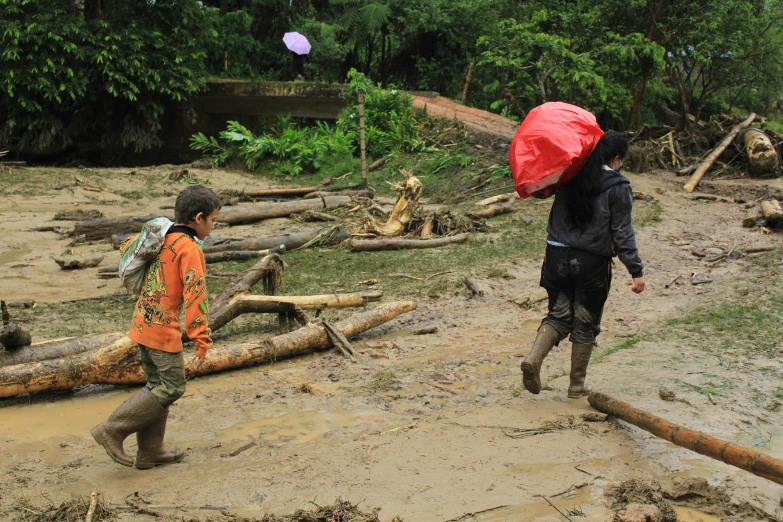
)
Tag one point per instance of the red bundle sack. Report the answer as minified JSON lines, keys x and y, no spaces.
{"x":551,"y":146}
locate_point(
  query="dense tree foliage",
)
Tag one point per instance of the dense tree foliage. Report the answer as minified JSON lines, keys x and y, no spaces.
{"x":113,"y":71}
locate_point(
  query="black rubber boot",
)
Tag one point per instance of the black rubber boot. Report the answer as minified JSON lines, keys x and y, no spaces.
{"x":150,"y":440}
{"x":131,"y":416}
{"x":531,"y":367}
{"x":580,"y":358}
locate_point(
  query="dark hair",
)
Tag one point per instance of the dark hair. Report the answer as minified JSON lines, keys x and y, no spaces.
{"x":582,"y":190}
{"x":195,"y":199}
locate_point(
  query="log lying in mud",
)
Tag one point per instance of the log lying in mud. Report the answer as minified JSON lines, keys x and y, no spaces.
{"x":77,"y":263}
{"x":705,"y":165}
{"x":258,"y":212}
{"x":753,"y":216}
{"x":759,"y":149}
{"x":291,"y":241}
{"x":57,"y":348}
{"x":369,"y":194}
{"x":371,"y":245}
{"x":77,"y":215}
{"x":284,"y":192}
{"x":732,"y":454}
{"x":118,"y":363}
{"x":494,"y":210}
{"x":772,"y":211}
{"x":271,"y":304}
{"x":501,"y":198}
{"x":104,"y":228}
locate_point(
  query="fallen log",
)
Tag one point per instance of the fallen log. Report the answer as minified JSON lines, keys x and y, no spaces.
{"x":312,"y":215}
{"x":77,"y":215}
{"x":369,"y":194}
{"x":290,"y":241}
{"x":77,"y":263}
{"x":705,"y":165}
{"x":103,"y":228}
{"x":492,"y":210}
{"x":375,"y":165}
{"x":269,"y":270}
{"x":280,"y":192}
{"x":759,"y":149}
{"x":370,"y":245}
{"x":234,"y":255}
{"x":772,"y":211}
{"x":57,"y":348}
{"x":271,"y":304}
{"x":733,"y":454}
{"x":753,"y":216}
{"x":501,"y":198}
{"x":243,"y":214}
{"x":118,"y":363}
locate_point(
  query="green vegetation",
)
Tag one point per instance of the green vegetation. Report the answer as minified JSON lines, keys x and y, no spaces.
{"x":647,"y":213}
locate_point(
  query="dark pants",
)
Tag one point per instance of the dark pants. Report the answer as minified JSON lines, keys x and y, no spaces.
{"x":578,"y":284}
{"x":165,"y":374}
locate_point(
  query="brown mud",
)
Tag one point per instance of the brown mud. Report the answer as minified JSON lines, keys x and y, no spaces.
{"x":425,"y":427}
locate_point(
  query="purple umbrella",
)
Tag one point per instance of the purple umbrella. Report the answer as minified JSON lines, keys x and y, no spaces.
{"x":296,"y":43}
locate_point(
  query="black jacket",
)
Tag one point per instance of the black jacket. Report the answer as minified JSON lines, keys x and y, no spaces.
{"x":610,"y":233}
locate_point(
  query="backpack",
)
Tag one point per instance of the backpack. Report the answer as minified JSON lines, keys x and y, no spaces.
{"x":551,"y":147}
{"x":137,"y":252}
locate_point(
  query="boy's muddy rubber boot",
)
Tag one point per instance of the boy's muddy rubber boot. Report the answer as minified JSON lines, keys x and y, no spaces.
{"x":531,"y":367}
{"x":150,"y":440}
{"x":131,"y":416}
{"x":580,"y":358}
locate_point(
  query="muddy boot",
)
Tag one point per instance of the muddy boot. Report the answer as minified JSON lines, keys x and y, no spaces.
{"x":150,"y":440}
{"x":531,"y":367}
{"x":131,"y":416}
{"x":580,"y":358}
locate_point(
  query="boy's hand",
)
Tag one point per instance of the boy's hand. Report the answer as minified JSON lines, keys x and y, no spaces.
{"x":638,"y":285}
{"x":197,"y":364}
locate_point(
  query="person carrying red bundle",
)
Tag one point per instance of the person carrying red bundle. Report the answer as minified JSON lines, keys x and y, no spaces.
{"x":589,"y":224}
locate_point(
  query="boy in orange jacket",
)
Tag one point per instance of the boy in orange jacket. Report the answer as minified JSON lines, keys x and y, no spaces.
{"x":175,"y":279}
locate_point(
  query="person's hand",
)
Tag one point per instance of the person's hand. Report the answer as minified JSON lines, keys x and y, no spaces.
{"x":638,"y":285}
{"x":197,"y":362}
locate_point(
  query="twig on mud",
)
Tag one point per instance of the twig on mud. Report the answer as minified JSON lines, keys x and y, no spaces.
{"x":444,"y":388}
{"x":468,"y":516}
{"x":440,"y":273}
{"x":406,"y":276}
{"x":570,"y":489}
{"x":670,"y":283}
{"x":401,"y":428}
{"x":561,"y":513}
{"x":239,"y":450}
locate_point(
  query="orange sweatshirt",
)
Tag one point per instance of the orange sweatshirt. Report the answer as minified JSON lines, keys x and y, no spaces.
{"x":174,"y":278}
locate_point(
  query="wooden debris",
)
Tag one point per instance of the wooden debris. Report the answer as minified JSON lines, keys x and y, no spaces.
{"x":750,"y":460}
{"x":501,"y":198}
{"x":321,"y":236}
{"x":52,"y":228}
{"x":772,"y":211}
{"x":473,"y":287}
{"x":312,"y":215}
{"x":243,"y":214}
{"x":592,"y":416}
{"x":118,"y":363}
{"x":760,"y":151}
{"x":281,"y":192}
{"x":426,"y":229}
{"x":13,"y":336}
{"x":674,"y":280}
{"x":243,"y":447}
{"x":339,"y":341}
{"x":103,"y":228}
{"x":402,"y":214}
{"x":77,"y":215}
{"x":58,"y":348}
{"x":237,"y":255}
{"x":369,"y":194}
{"x":705,"y":165}
{"x":375,"y":165}
{"x":22,"y":304}
{"x":426,"y":331}
{"x":370,"y":245}
{"x":92,"y":506}
{"x":753,"y":217}
{"x":77,"y":263}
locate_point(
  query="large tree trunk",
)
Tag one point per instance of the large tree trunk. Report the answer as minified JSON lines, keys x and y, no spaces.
{"x":242,"y":214}
{"x":761,"y":153}
{"x":636,"y":104}
{"x":291,"y":241}
{"x":118,"y":363}
{"x":103,"y":228}
{"x":716,"y":152}
{"x":368,"y":245}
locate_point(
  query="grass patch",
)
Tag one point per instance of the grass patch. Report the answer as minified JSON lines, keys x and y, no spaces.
{"x":647,"y":213}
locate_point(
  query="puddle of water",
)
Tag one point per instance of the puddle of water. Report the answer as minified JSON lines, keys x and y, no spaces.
{"x":691,"y":515}
{"x":11,"y":256}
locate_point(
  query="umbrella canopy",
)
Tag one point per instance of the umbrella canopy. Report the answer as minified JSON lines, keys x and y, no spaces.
{"x":296,"y":43}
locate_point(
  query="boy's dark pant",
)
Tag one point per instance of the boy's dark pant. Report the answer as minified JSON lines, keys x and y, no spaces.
{"x":578,"y":284}
{"x":165,"y":374}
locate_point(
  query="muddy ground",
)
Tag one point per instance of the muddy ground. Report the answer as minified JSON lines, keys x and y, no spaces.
{"x":424,"y":427}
